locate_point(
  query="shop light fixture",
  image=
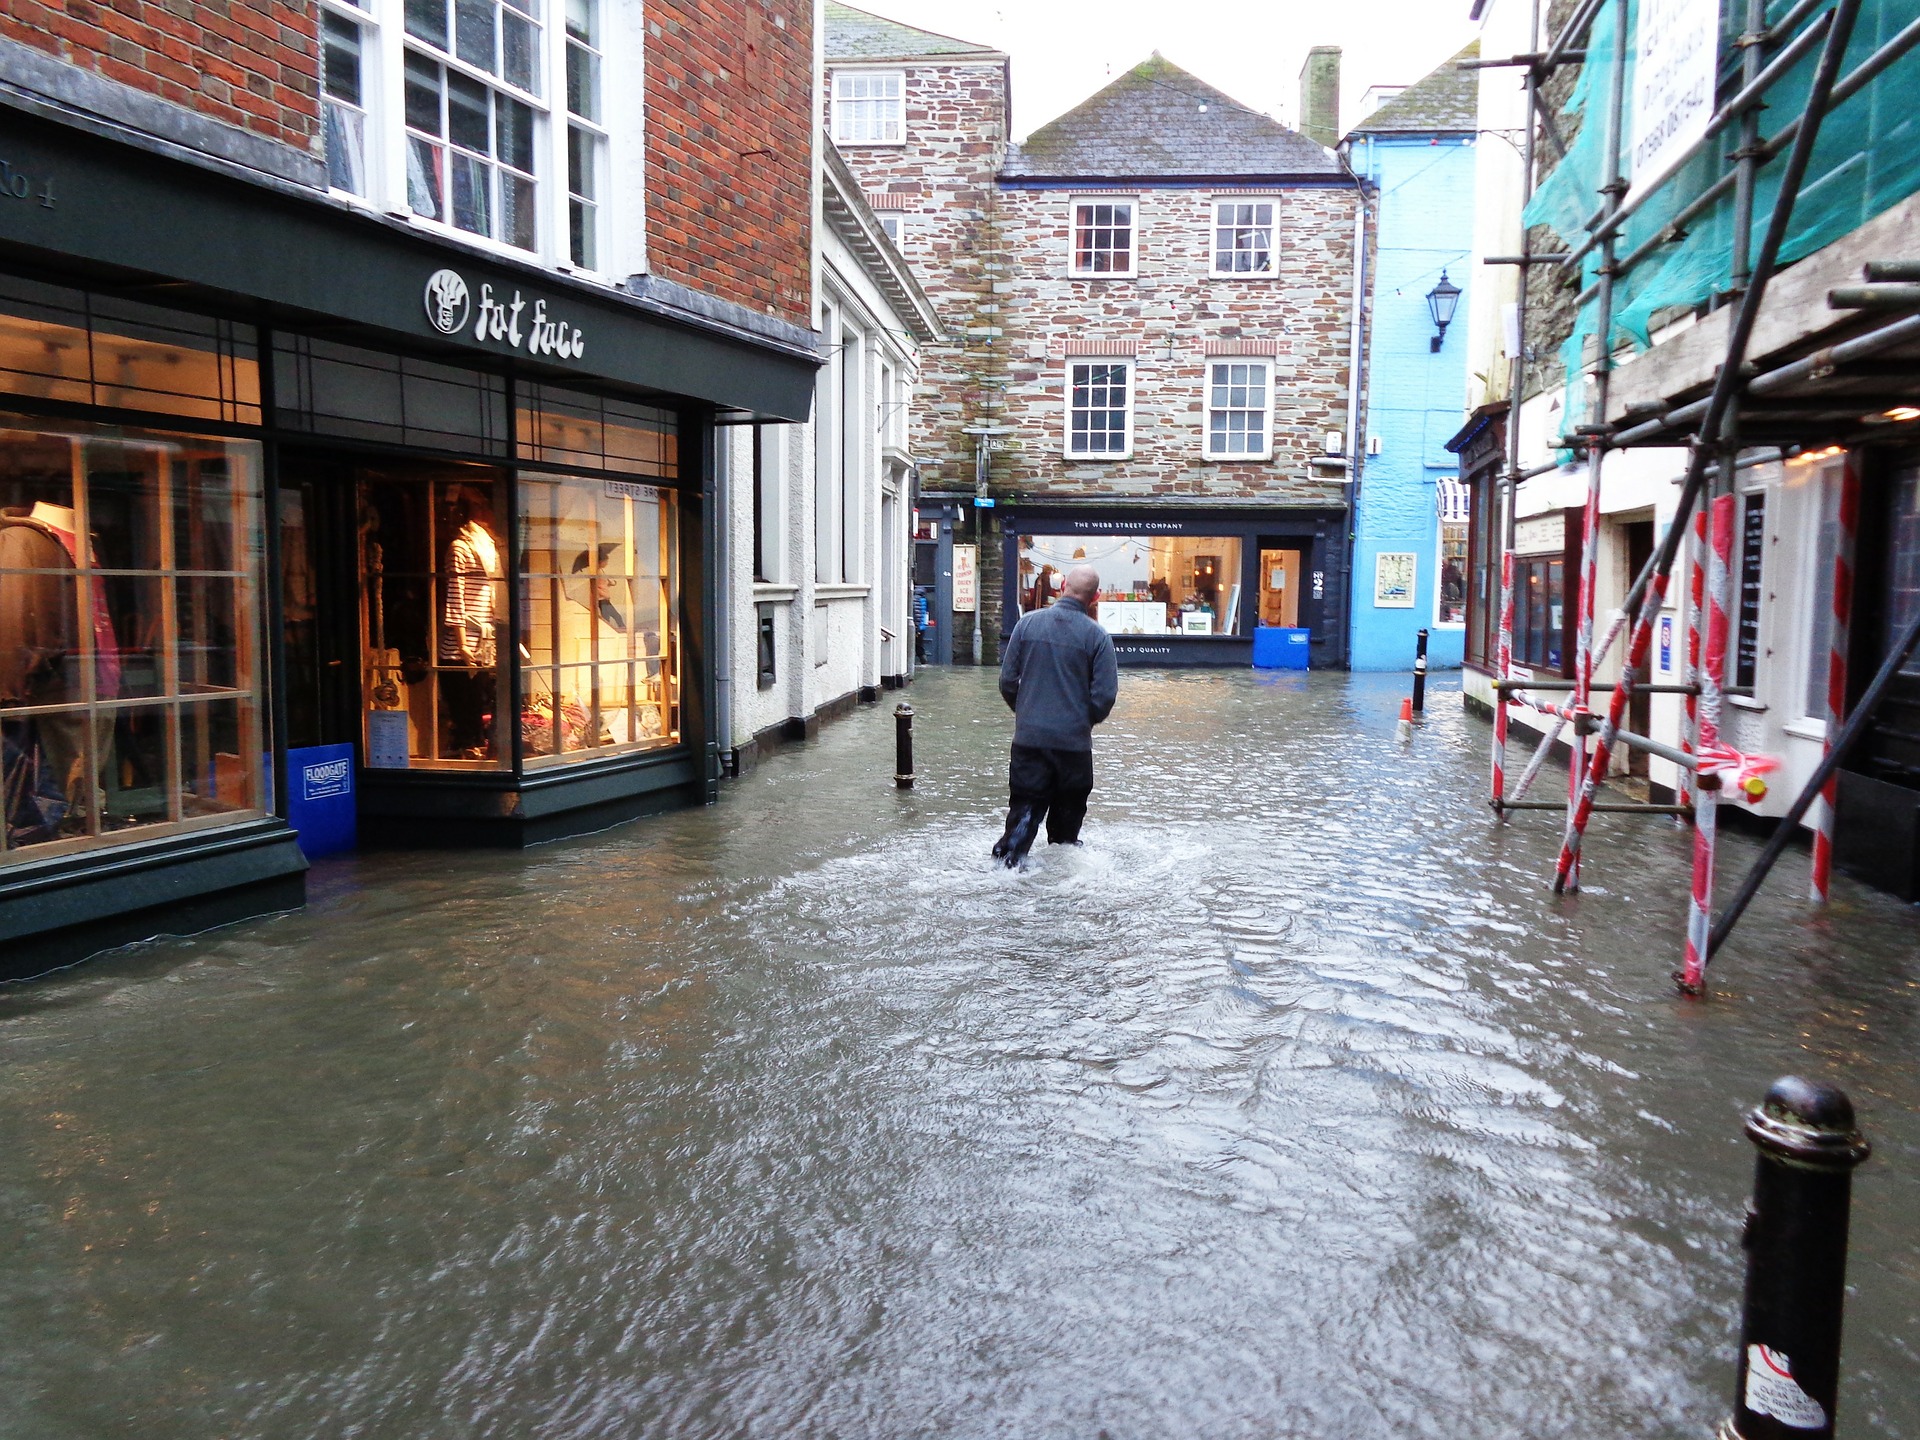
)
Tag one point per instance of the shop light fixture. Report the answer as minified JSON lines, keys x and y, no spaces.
{"x":1903,"y":412}
{"x":1442,"y":299}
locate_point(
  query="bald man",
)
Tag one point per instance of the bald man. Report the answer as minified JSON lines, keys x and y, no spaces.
{"x":1059,"y":677}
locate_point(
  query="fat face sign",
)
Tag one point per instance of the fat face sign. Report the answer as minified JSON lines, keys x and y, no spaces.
{"x":493,"y":317}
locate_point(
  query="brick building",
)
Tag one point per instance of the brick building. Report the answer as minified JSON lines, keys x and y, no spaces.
{"x":362,"y":368}
{"x":1154,"y":309}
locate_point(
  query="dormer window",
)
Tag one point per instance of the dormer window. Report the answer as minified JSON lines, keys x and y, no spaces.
{"x":869,"y":107}
{"x":1103,"y":238}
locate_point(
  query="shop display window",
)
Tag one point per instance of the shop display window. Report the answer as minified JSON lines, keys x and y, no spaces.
{"x":601,"y":661}
{"x":1149,"y":584}
{"x":1452,"y":607}
{"x":130,"y":645}
{"x":74,"y":345}
{"x":433,"y":617}
{"x":1539,"y":620}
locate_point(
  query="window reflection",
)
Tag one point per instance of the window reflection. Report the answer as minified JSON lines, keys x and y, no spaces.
{"x":1149,"y":584}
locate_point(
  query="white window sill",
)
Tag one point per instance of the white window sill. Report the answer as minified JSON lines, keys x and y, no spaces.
{"x":1747,"y":702}
{"x":1806,"y":730}
{"x":870,"y":144}
{"x":772,"y":590}
{"x":1102,"y":275}
{"x":1261,"y":459}
{"x":1095,"y":459}
{"x":1244,"y":275}
{"x":841,"y":592}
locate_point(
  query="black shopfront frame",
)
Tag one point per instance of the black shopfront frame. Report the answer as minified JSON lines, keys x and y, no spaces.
{"x":1319,"y":535}
{"x":164,"y":231}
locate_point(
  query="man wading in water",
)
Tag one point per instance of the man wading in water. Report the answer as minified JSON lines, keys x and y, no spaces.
{"x":1059,"y":677}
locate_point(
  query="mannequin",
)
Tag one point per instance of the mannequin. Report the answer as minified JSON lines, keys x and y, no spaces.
{"x":469,"y":622}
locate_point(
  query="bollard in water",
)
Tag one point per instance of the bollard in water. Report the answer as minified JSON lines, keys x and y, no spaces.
{"x":1796,"y":1244}
{"x":903,"y":746}
{"x":1420,"y":673}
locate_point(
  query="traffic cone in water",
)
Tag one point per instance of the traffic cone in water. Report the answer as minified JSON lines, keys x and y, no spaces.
{"x":1403,"y":732}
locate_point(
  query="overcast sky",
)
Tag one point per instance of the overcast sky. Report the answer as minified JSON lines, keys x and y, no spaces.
{"x":1064,"y":50}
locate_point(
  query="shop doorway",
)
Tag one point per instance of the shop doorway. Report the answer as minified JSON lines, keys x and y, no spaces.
{"x":1637,"y":535}
{"x":1280,"y":572}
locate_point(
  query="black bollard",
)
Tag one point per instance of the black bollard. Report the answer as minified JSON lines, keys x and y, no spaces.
{"x":1796,"y":1244}
{"x":1420,"y":674}
{"x":903,"y":745}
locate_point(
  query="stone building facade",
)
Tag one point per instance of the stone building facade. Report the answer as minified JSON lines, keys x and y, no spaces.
{"x":1247,"y":497}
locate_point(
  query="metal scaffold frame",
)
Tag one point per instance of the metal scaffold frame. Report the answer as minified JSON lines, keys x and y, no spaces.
{"x":1710,"y":430}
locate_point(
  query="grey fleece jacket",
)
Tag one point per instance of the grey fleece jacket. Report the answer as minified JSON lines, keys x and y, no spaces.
{"x":1059,"y":676}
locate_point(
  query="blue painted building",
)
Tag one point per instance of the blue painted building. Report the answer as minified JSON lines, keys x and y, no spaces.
{"x":1410,"y":548}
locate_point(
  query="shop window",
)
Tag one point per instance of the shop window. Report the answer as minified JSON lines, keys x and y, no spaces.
{"x":1100,"y":408}
{"x":1483,"y":574}
{"x":1539,"y":613}
{"x":1451,"y":603}
{"x":433,"y":618}
{"x":601,"y":669}
{"x":1103,"y":238}
{"x":1243,"y":238}
{"x":572,"y":427}
{"x":1149,"y":584}
{"x":130,"y":645}
{"x":326,"y":388}
{"x":92,"y":349}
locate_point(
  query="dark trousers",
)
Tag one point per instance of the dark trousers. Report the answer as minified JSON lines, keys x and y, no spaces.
{"x":1049,"y":785}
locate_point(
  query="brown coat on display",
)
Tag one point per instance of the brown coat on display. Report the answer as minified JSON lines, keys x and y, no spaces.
{"x":38,"y":634}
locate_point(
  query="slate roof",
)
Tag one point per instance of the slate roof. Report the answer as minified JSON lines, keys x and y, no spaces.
{"x":855,"y":35}
{"x":1444,"y":102}
{"x":1149,"y":123}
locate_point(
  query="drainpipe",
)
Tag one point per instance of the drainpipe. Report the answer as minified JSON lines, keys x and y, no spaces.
{"x":723,"y":595}
{"x":1356,"y":368}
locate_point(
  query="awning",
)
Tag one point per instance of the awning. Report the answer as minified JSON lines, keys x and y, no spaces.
{"x":1455,"y":501}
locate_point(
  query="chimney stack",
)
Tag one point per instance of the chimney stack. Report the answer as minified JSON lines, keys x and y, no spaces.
{"x":1320,"y":95}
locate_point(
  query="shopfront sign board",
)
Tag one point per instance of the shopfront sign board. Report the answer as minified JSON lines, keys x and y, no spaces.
{"x":1675,"y":52}
{"x":499,"y":317}
{"x":966,"y":578}
{"x":320,"y":799}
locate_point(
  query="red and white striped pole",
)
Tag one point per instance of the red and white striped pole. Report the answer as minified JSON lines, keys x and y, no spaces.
{"x":1503,"y":669}
{"x":1849,"y":518}
{"x":1696,"y":602}
{"x":1583,"y":651}
{"x":1706,"y":802}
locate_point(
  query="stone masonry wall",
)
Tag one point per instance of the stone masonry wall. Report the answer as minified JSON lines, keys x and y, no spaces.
{"x":1171,"y":312}
{"x":729,"y":150}
{"x":253,"y":64}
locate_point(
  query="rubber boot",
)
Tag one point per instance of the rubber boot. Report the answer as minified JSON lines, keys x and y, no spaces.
{"x":1023,"y":825}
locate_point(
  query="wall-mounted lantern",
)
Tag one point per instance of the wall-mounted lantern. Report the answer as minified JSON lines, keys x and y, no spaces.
{"x":1441,"y":300}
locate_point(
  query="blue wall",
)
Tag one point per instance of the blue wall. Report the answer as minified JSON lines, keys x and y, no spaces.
{"x":1415,"y":398}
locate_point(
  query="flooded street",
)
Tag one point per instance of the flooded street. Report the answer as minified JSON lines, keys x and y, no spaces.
{"x":1291,"y":1105}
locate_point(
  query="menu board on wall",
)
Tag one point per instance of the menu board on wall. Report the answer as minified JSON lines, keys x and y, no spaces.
{"x":1746,"y":639}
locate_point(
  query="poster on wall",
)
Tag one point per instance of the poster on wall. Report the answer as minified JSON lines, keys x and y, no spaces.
{"x":1675,"y":53}
{"x":966,"y":578}
{"x":1393,"y":575}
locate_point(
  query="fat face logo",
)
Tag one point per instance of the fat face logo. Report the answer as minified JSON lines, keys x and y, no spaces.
{"x":447,"y":301}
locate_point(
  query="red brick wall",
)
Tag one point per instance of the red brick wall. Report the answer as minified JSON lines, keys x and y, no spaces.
{"x":251,"y":63}
{"x":729,"y":150}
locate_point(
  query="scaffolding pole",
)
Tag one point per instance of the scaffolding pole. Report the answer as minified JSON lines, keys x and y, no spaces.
{"x":1841,"y":623}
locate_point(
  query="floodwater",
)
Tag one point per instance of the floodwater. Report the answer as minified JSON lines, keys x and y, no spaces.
{"x":1291,"y":1105}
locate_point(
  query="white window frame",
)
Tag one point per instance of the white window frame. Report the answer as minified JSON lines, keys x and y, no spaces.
{"x":1074,"y":207}
{"x":892,"y":224}
{"x":1074,"y":363}
{"x":372,"y":109}
{"x":843,"y":118}
{"x":1440,"y":569}
{"x":1265,"y":366}
{"x":384,"y":46}
{"x":1273,"y":237}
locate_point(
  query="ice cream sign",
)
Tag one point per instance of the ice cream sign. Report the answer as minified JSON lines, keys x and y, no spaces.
{"x":494,"y":317}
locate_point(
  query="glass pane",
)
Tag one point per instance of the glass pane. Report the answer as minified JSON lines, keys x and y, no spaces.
{"x":428,"y":20}
{"x":423,"y":95}
{"x":209,"y":517}
{"x":582,"y":21}
{"x":1149,"y":585}
{"x":516,"y":133}
{"x":519,"y":221}
{"x":340,"y":67}
{"x":426,"y":187}
{"x":129,"y":625}
{"x":520,"y":48}
{"x":582,"y":221}
{"x":43,"y":341}
{"x":471,"y":194}
{"x":43,"y":657}
{"x":215,"y":739}
{"x":583,"y":83}
{"x":346,"y":149}
{"x":208,"y":613}
{"x":124,"y":505}
{"x":474,"y":33}
{"x":135,"y":778}
{"x":468,"y":112}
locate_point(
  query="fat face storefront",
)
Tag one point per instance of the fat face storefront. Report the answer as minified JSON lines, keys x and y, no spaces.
{"x":1185,"y":587}
{"x":315,"y":531}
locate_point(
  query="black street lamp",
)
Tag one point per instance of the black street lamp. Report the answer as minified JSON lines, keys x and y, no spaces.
{"x":1441,"y":300}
